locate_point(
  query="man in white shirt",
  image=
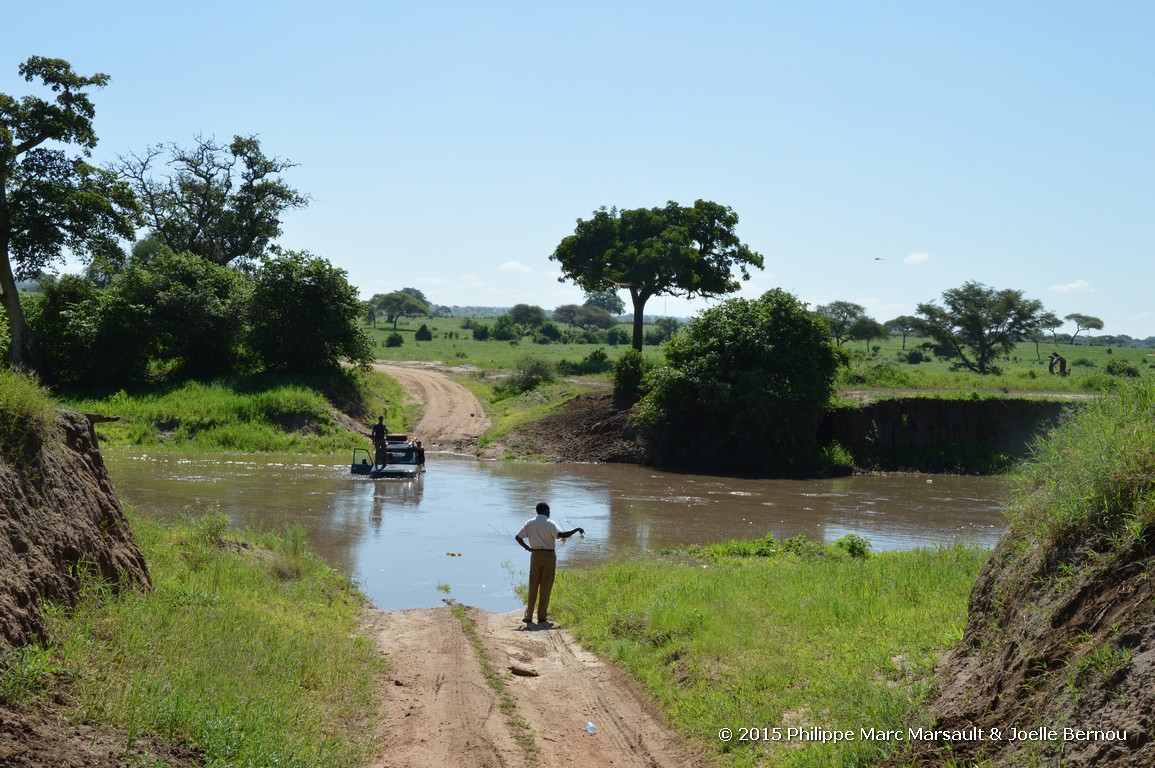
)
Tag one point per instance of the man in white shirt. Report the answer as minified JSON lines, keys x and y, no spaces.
{"x":542,"y":535}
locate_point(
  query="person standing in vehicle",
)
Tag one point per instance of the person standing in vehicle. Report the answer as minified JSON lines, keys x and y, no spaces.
{"x":379,"y":432}
{"x":542,"y":534}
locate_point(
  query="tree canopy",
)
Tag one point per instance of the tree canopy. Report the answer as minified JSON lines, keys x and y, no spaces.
{"x":903,"y":325}
{"x":223,"y":203}
{"x":607,"y":299}
{"x":742,"y":388}
{"x":978,"y":323}
{"x":397,"y":305}
{"x":841,"y":317}
{"x":1083,"y":323}
{"x":675,"y":251}
{"x":585,"y":316}
{"x":303,"y":315}
{"x":49,"y":201}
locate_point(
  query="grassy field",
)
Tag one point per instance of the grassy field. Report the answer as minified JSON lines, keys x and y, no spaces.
{"x":453,"y":344}
{"x":803,"y":639}
{"x":881,"y":364}
{"x":247,"y":650}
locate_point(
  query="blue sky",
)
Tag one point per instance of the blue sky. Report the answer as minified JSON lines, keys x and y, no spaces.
{"x":878,"y":152}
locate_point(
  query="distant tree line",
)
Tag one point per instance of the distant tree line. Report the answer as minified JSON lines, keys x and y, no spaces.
{"x":974,"y":325}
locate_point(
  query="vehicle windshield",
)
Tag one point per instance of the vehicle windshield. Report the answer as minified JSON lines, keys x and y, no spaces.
{"x":401,"y":456}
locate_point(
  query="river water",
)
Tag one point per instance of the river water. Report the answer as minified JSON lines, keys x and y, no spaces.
{"x":449,"y":534}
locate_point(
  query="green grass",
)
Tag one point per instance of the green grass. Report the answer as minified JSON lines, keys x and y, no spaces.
{"x":1095,"y":474}
{"x":819,"y":639}
{"x":26,"y":414}
{"x":492,"y":355}
{"x":508,"y":703}
{"x":1023,"y":371}
{"x":247,"y":650}
{"x":258,"y":413}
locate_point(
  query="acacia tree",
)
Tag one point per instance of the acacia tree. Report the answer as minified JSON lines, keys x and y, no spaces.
{"x":1083,"y":323}
{"x":978,"y":323}
{"x":866,"y":329}
{"x":841,"y":317}
{"x":223,"y":203}
{"x":51,"y":202}
{"x":1049,"y":321}
{"x":397,"y":305}
{"x":904,"y":325}
{"x":607,"y":299}
{"x":674,"y":251}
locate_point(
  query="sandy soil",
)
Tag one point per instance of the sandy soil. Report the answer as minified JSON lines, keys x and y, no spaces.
{"x":452,"y":418}
{"x":439,"y":710}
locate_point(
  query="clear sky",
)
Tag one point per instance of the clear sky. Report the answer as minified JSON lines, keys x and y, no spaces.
{"x":875,"y":152}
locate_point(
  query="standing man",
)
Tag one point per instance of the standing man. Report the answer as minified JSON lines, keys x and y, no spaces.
{"x":542,"y":534}
{"x":379,"y":432}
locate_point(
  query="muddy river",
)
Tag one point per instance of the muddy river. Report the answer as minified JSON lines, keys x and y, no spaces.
{"x":449,"y":534}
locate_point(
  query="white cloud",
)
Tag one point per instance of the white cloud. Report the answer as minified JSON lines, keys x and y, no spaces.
{"x":1079,"y":286}
{"x":917,"y":258}
{"x":515,"y":266}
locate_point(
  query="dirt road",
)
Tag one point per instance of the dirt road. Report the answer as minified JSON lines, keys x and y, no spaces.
{"x":452,"y":417}
{"x":439,"y":707}
{"x":441,"y":711}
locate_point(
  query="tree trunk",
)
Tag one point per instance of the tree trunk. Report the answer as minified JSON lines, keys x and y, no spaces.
{"x":639,"y":302}
{"x":22,"y":353}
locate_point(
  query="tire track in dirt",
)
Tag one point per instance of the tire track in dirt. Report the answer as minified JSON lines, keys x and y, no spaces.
{"x":452,"y":417}
{"x":439,"y":710}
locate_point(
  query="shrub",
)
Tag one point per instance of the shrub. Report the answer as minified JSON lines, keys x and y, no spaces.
{"x":742,"y":388}
{"x":394,"y":340}
{"x":1122,"y":368}
{"x":854,"y":545}
{"x":423,"y":333}
{"x":616,"y":336}
{"x":629,"y":372}
{"x":531,"y":373}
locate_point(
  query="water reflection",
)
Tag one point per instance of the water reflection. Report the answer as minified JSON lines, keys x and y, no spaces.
{"x":450,"y":533}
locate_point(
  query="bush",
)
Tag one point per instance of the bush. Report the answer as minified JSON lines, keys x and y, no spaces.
{"x":549,"y":330}
{"x":854,"y":545}
{"x":629,"y":372}
{"x":481,"y":332}
{"x":423,"y":333}
{"x":394,"y":340}
{"x":743,"y":388}
{"x":304,"y":316}
{"x":914,"y":357}
{"x":531,"y":373}
{"x":1122,"y":368}
{"x":595,"y":362}
{"x":616,"y":336}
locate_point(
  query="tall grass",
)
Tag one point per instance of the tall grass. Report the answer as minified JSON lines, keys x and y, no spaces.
{"x":818,"y":640}
{"x":1096,"y":472}
{"x":26,"y":413}
{"x":248,"y":414}
{"x":246,"y":650}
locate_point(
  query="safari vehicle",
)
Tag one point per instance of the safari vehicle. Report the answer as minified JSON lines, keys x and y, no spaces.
{"x":403,"y":457}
